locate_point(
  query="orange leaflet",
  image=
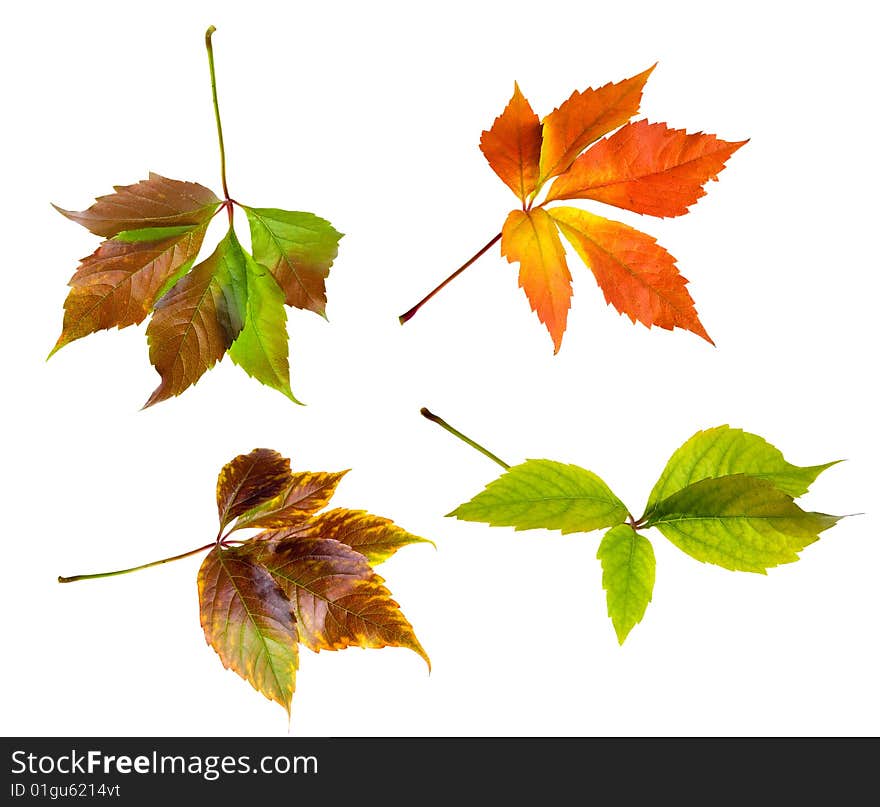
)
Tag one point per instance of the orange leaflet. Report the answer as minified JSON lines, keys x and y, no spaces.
{"x":530,"y":237}
{"x":584,"y":118}
{"x":513,"y":145}
{"x":646,"y":167}
{"x":638,"y":277}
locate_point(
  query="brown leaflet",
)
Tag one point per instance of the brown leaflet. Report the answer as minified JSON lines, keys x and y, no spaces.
{"x":195,"y":323}
{"x":306,"y":493}
{"x":118,"y":284}
{"x":154,"y":202}
{"x":247,"y":620}
{"x":249,"y":481}
{"x":338,"y":600}
{"x":374,"y":537}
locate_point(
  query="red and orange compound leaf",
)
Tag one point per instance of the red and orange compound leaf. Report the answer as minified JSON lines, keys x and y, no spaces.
{"x":249,"y":481}
{"x":338,"y":600}
{"x":638,"y":277}
{"x":247,"y":620}
{"x":119,"y":283}
{"x":646,"y":167}
{"x":304,"y":494}
{"x":153,"y":202}
{"x":530,"y":237}
{"x":584,"y":118}
{"x":195,"y":323}
{"x":513,"y":145}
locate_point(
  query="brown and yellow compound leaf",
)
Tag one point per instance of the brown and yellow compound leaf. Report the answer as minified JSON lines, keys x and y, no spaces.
{"x":249,"y":481}
{"x":247,"y":620}
{"x":309,"y":580}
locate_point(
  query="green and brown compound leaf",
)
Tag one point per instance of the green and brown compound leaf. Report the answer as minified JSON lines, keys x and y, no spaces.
{"x":592,"y":150}
{"x":726,"y":497}
{"x":230,"y":302}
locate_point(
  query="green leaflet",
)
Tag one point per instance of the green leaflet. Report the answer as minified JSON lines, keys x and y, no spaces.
{"x":628,"y":567}
{"x":154,"y":233}
{"x":261,"y":347}
{"x":739,"y":522}
{"x":543,"y":494}
{"x":298,"y":249}
{"x":723,"y":451}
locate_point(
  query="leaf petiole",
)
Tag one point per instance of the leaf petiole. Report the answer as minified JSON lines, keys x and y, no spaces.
{"x":440,"y":422}
{"x":210,"y":50}
{"x":412,"y":312}
{"x":76,"y":577}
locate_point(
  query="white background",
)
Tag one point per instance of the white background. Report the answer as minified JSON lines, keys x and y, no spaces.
{"x":369,"y":114}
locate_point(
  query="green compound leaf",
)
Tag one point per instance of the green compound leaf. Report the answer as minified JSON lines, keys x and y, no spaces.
{"x":628,"y":567}
{"x":298,"y":249}
{"x":261,"y":347}
{"x":739,"y":522}
{"x":726,"y":497}
{"x":723,"y":451}
{"x":543,"y":494}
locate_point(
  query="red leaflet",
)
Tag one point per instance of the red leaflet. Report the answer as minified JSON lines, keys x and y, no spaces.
{"x":646,"y":167}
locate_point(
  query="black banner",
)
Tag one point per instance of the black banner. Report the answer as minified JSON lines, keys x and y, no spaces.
{"x":140,"y":770}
